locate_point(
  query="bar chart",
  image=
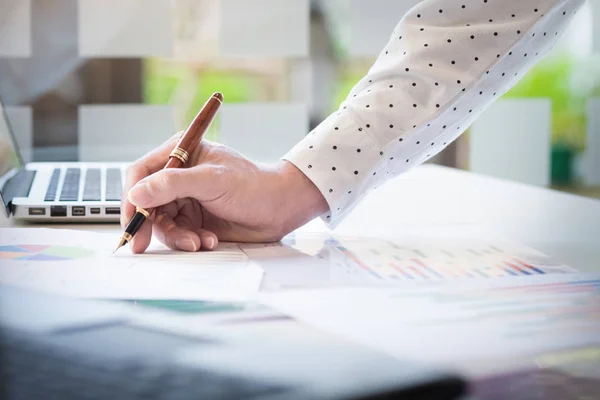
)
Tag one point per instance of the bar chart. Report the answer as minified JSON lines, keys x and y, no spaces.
{"x":367,"y":259}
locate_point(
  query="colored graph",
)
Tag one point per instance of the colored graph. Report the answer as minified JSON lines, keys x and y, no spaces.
{"x":29,"y":252}
{"x":523,"y":311}
{"x":363,"y":259}
{"x":399,"y":263}
{"x":190,"y":306}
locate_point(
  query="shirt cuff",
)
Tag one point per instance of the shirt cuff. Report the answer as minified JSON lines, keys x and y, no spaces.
{"x":342,"y":160}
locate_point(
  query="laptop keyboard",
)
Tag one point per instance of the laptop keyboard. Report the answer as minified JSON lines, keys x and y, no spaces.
{"x":92,"y":185}
{"x":53,"y":186}
{"x":70,"y":188}
{"x":113,"y":184}
{"x":92,"y":190}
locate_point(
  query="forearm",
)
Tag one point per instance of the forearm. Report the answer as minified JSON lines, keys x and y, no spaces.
{"x":445,"y":63}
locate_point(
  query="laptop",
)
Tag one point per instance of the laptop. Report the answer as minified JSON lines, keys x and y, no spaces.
{"x":57,"y":192}
{"x":62,"y":348}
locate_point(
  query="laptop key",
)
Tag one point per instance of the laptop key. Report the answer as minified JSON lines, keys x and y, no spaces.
{"x":114,"y":186}
{"x":92,"y":189}
{"x":53,"y":185}
{"x":70,"y":188}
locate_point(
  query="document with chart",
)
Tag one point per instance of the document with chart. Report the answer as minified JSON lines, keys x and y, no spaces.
{"x":321,"y":259}
{"x":81,"y":263}
{"x":472,"y":325}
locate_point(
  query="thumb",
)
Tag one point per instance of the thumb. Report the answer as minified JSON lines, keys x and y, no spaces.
{"x":168,"y":185}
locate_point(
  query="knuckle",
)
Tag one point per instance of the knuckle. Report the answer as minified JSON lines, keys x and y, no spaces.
{"x":155,"y":185}
{"x":218,"y":171}
{"x":167,"y":180}
{"x":133,"y":169}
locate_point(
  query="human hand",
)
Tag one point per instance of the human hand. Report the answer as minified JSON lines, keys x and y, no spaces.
{"x":221,"y":196}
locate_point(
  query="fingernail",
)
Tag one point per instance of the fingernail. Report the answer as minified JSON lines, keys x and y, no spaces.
{"x":210,"y":243}
{"x":186,"y":244}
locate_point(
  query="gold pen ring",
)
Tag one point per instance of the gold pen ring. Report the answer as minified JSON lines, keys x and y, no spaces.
{"x":142,"y":211}
{"x":180,"y":154}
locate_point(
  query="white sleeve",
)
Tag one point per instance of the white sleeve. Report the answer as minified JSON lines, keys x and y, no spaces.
{"x":445,"y":63}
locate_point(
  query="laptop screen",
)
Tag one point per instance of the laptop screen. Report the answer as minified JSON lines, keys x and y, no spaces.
{"x":9,"y":155}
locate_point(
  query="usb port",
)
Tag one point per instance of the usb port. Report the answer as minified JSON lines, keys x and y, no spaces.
{"x":112,"y":210}
{"x":37,"y":210}
{"x":95,"y":210}
{"x":58,"y":211}
{"x":78,"y":211}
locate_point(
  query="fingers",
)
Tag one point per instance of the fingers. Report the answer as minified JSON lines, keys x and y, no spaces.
{"x":142,"y":238}
{"x":147,"y":165}
{"x":200,"y":182}
{"x":174,"y":234}
{"x":175,"y":237}
{"x":208,"y":240}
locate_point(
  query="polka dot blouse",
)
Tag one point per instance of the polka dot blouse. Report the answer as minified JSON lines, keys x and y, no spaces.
{"x":446,"y":62}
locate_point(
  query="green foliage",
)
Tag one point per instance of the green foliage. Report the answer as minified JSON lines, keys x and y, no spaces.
{"x":552,"y":78}
{"x":349,"y":78}
{"x":162,"y":79}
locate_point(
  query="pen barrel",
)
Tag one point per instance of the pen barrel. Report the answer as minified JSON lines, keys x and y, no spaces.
{"x":135,"y":224}
{"x":192,"y":136}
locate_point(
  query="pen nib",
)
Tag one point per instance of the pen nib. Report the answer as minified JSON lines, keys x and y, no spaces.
{"x":121,"y":244}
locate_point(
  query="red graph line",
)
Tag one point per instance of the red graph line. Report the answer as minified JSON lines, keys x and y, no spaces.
{"x":416,"y":271}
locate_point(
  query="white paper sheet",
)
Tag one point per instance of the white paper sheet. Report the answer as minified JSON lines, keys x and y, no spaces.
{"x":459,"y":324}
{"x":77,"y":263}
{"x":305,"y":259}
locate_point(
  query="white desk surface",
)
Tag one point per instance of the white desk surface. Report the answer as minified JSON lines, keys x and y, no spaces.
{"x":563,"y":226}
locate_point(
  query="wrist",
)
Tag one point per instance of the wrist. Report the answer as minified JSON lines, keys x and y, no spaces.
{"x":300,"y":200}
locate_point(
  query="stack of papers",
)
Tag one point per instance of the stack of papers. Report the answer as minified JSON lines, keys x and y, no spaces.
{"x":463,"y":325}
{"x":81,"y":264}
{"x":444,"y":298}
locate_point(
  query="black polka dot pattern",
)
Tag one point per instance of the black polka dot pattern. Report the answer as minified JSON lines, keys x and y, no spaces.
{"x":426,"y":88}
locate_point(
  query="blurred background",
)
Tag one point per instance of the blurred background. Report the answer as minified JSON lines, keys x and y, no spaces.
{"x":111,"y":79}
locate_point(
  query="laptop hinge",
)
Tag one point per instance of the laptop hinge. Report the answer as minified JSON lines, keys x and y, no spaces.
{"x":18,"y":185}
